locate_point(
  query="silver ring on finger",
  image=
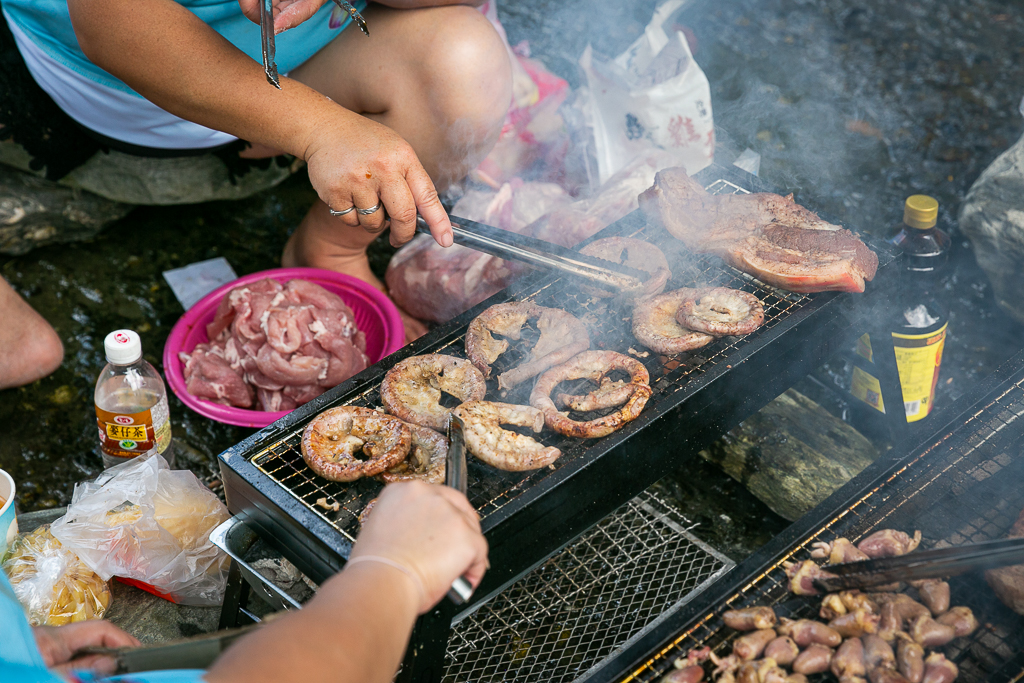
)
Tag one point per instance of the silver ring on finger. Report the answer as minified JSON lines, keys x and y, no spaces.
{"x":372,"y":210}
{"x":343,"y":212}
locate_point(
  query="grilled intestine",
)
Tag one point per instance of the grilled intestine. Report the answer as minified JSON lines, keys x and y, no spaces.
{"x":687,"y":319}
{"x":655,"y":325}
{"x":593,"y":365}
{"x":635,"y":254}
{"x":426,"y":461}
{"x":721,"y":311}
{"x":411,"y":390}
{"x":332,"y":439}
{"x":501,"y":448}
{"x":562,"y":336}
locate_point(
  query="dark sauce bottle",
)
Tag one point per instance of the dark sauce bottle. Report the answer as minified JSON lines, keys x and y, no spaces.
{"x":920,"y":316}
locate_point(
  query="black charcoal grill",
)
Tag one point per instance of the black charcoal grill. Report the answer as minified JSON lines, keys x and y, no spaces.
{"x":961,"y":485}
{"x":528,"y":516}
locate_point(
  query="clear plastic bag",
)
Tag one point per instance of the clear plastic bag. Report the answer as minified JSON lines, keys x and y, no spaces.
{"x":147,"y":523}
{"x":52,"y":583}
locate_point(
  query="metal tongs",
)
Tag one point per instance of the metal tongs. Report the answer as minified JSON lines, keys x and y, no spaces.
{"x":456,"y":476}
{"x":929,"y":564}
{"x":267,"y":36}
{"x":540,"y":254}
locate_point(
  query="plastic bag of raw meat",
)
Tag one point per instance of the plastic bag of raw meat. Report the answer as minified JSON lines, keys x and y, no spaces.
{"x":434,"y":283}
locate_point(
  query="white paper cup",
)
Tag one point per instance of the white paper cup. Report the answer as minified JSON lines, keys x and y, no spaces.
{"x":8,"y":520}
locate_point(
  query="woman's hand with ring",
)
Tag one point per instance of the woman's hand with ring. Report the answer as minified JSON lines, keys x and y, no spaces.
{"x":357,"y":163}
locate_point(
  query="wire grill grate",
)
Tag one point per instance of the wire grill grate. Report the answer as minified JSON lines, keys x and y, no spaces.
{"x":610,"y":328}
{"x":564,"y":617}
{"x":962,"y":489}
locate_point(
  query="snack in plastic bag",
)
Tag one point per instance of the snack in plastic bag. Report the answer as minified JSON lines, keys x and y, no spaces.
{"x":147,"y":523}
{"x":52,"y":583}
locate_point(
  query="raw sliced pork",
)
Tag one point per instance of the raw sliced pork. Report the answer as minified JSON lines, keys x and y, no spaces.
{"x":768,"y":236}
{"x":282,"y":345}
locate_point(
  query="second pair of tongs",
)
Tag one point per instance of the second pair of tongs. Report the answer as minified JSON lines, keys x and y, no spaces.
{"x":540,"y":254}
{"x":457,"y":477}
{"x":267,"y":36}
{"x":929,"y":564}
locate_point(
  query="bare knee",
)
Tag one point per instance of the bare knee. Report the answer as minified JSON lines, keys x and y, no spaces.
{"x":467,"y":66}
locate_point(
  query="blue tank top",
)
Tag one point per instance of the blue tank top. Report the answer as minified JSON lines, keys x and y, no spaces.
{"x":48,"y":25}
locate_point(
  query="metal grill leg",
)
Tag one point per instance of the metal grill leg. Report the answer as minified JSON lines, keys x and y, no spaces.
{"x":424,"y":660}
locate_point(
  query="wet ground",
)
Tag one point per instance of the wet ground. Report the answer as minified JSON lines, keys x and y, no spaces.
{"x":852,"y":105}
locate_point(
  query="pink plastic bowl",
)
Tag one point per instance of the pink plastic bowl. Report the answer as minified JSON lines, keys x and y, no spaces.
{"x":375,"y":315}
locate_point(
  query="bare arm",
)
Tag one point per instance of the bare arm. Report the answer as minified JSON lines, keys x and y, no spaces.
{"x":356,"y":628}
{"x":169,"y":56}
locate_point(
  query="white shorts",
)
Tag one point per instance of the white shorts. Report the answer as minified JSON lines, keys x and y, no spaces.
{"x":112,"y":113}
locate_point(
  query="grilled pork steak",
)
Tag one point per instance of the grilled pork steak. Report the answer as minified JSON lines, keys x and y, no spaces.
{"x":770,"y":237}
{"x":1008,"y":582}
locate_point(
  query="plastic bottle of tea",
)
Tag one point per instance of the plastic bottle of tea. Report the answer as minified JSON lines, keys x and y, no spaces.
{"x":131,"y":403}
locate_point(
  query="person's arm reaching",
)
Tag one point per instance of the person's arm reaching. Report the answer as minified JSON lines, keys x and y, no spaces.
{"x":168,"y":55}
{"x":418,"y":539}
{"x":290,"y":13}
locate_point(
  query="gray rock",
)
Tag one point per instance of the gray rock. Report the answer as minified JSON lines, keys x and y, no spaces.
{"x":180,"y":180}
{"x":792,"y":454}
{"x":35,"y":212}
{"x":992,"y":217}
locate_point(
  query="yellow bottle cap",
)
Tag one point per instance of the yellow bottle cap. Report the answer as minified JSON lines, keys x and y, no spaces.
{"x":921,"y":211}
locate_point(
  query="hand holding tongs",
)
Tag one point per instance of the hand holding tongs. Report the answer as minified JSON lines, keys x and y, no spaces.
{"x":929,"y":564}
{"x":540,"y":254}
{"x":456,"y":477}
{"x":267,"y":35}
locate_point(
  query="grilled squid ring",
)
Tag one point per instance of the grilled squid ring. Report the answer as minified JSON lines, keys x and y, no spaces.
{"x":721,"y":311}
{"x":655,"y":325}
{"x":498,"y":447}
{"x":411,"y":390}
{"x":426,"y":461}
{"x":592,"y":365}
{"x":332,"y":439}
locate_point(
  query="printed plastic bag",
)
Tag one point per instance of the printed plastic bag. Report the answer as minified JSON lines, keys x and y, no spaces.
{"x":147,"y":523}
{"x":652,"y":95}
{"x":52,"y":583}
